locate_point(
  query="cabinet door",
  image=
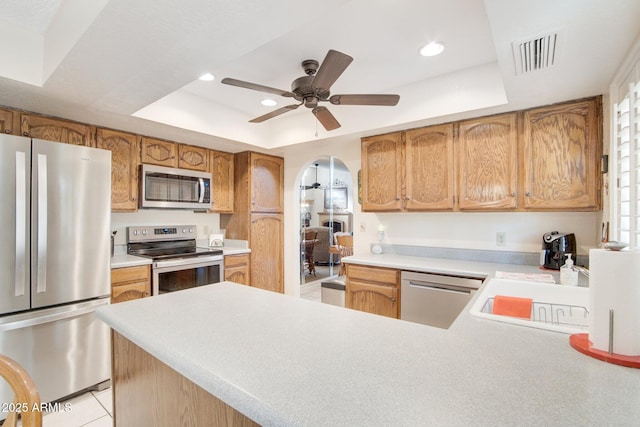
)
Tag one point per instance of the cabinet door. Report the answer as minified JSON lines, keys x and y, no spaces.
{"x":7,"y":124}
{"x":487,"y":154}
{"x":267,"y":178}
{"x":130,"y":291}
{"x":125,"y":155}
{"x":236,"y":268}
{"x":429,"y":168}
{"x":267,"y":255}
{"x":57,"y":130}
{"x":158,"y":152}
{"x":194,"y":158}
{"x":372,"y":298}
{"x":221,"y":168}
{"x":562,"y":145}
{"x":381,"y":172}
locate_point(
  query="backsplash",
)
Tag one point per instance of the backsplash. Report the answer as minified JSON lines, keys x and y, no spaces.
{"x":479,"y":255}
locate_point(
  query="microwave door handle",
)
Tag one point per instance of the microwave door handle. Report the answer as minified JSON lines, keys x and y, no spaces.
{"x":41,"y":280}
{"x":201,"y":182}
{"x":21,"y":224}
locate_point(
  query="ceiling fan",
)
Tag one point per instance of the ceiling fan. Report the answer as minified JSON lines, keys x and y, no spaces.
{"x":314,"y":88}
{"x":316,"y":184}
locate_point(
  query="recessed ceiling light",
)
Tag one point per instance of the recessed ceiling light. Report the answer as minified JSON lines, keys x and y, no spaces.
{"x":208,"y":77}
{"x":268,"y":102}
{"x":432,"y":49}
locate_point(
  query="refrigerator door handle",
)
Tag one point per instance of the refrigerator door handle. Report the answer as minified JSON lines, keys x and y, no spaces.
{"x":71,"y":312}
{"x":21,"y":224}
{"x":41,"y":280}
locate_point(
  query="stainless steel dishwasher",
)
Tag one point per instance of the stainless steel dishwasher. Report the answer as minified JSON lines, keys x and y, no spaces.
{"x":434,"y":299}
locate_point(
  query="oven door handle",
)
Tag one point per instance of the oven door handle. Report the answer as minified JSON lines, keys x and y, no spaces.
{"x":192,"y":262}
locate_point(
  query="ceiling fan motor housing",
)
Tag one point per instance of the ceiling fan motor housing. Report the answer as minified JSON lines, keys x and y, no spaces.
{"x":304,"y":91}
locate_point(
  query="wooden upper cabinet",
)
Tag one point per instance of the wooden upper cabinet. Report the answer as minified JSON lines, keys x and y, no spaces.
{"x":125,"y":155}
{"x":267,"y":178}
{"x":487,"y":157}
{"x":222,"y":185}
{"x":381,"y":172}
{"x":57,"y":130}
{"x":7,"y":122}
{"x":194,"y":158}
{"x":429,"y":168}
{"x":158,"y":152}
{"x":562,"y":145}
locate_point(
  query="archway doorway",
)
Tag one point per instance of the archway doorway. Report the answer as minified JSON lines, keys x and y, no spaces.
{"x":326,"y":208}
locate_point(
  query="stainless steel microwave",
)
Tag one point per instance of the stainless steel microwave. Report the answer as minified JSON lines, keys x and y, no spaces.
{"x":170,"y":188}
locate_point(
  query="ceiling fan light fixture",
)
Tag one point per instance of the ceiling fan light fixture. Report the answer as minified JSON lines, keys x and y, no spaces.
{"x":432,"y":49}
{"x":207,"y":77}
{"x":268,"y":102}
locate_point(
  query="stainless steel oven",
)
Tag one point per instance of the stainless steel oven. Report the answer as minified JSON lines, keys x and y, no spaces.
{"x":177,"y":262}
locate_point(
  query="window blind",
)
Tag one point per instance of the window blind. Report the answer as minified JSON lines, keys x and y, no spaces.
{"x":627,"y":161}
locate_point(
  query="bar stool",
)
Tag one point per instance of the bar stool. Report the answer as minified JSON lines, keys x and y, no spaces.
{"x":26,"y":395}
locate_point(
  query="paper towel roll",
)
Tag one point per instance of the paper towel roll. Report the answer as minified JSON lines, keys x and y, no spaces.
{"x":614,"y":284}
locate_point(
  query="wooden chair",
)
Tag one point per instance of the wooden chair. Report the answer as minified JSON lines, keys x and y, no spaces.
{"x":345,"y":248}
{"x":26,"y":395}
{"x":309,"y":243}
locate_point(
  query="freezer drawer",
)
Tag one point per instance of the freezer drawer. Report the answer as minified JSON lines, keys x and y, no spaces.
{"x":64,"y":349}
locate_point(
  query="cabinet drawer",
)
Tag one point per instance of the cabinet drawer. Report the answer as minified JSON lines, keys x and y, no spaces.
{"x":129,"y":274}
{"x":373,"y":274}
{"x":231,"y":261}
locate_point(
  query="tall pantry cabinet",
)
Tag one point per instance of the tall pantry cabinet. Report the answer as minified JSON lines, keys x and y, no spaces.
{"x":258,"y":216}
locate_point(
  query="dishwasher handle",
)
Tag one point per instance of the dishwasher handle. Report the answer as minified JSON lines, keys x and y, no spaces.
{"x":441,"y":287}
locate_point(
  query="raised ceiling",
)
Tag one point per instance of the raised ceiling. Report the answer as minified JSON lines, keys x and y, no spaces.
{"x":134,"y":65}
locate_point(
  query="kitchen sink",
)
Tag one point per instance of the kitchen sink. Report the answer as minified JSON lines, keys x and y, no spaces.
{"x":554,"y":308}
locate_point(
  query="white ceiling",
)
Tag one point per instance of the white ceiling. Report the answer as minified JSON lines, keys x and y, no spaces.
{"x":134,"y":65}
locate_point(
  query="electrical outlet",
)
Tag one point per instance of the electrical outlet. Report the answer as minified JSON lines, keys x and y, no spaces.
{"x":501,"y":237}
{"x":363,"y":226}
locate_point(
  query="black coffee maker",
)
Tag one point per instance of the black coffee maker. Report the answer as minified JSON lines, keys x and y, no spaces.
{"x":555,"y":247}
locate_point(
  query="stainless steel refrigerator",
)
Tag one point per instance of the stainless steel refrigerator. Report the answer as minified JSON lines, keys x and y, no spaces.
{"x":55,"y":253}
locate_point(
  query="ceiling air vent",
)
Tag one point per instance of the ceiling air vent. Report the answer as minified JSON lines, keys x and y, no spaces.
{"x":535,"y":54}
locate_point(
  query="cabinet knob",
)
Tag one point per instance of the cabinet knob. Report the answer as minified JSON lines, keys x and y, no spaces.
{"x":528,"y":194}
{"x":393,"y":300}
{"x":407,"y":198}
{"x":513,"y":194}
{"x":7,"y":131}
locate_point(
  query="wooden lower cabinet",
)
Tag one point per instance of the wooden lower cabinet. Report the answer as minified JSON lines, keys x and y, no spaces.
{"x":236,"y":269}
{"x":373,"y":289}
{"x":129,"y":283}
{"x":147,"y":392}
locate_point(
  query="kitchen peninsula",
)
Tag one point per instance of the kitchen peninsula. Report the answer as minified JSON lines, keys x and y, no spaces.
{"x":279,"y":360}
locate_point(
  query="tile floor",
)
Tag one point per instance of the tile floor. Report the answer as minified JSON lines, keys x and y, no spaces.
{"x":91,"y":409}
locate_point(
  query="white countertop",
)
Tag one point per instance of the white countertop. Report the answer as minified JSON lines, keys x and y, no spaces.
{"x":125,"y":260}
{"x":283,"y":361}
{"x":442,"y":265}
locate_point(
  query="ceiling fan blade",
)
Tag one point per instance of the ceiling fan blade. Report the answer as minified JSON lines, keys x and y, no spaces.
{"x":385,"y":100}
{"x":325,"y":117}
{"x":275,"y":113}
{"x":254,"y":86}
{"x":331,"y":68}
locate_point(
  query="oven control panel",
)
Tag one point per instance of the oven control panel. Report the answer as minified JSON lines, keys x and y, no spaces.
{"x":154,"y":233}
